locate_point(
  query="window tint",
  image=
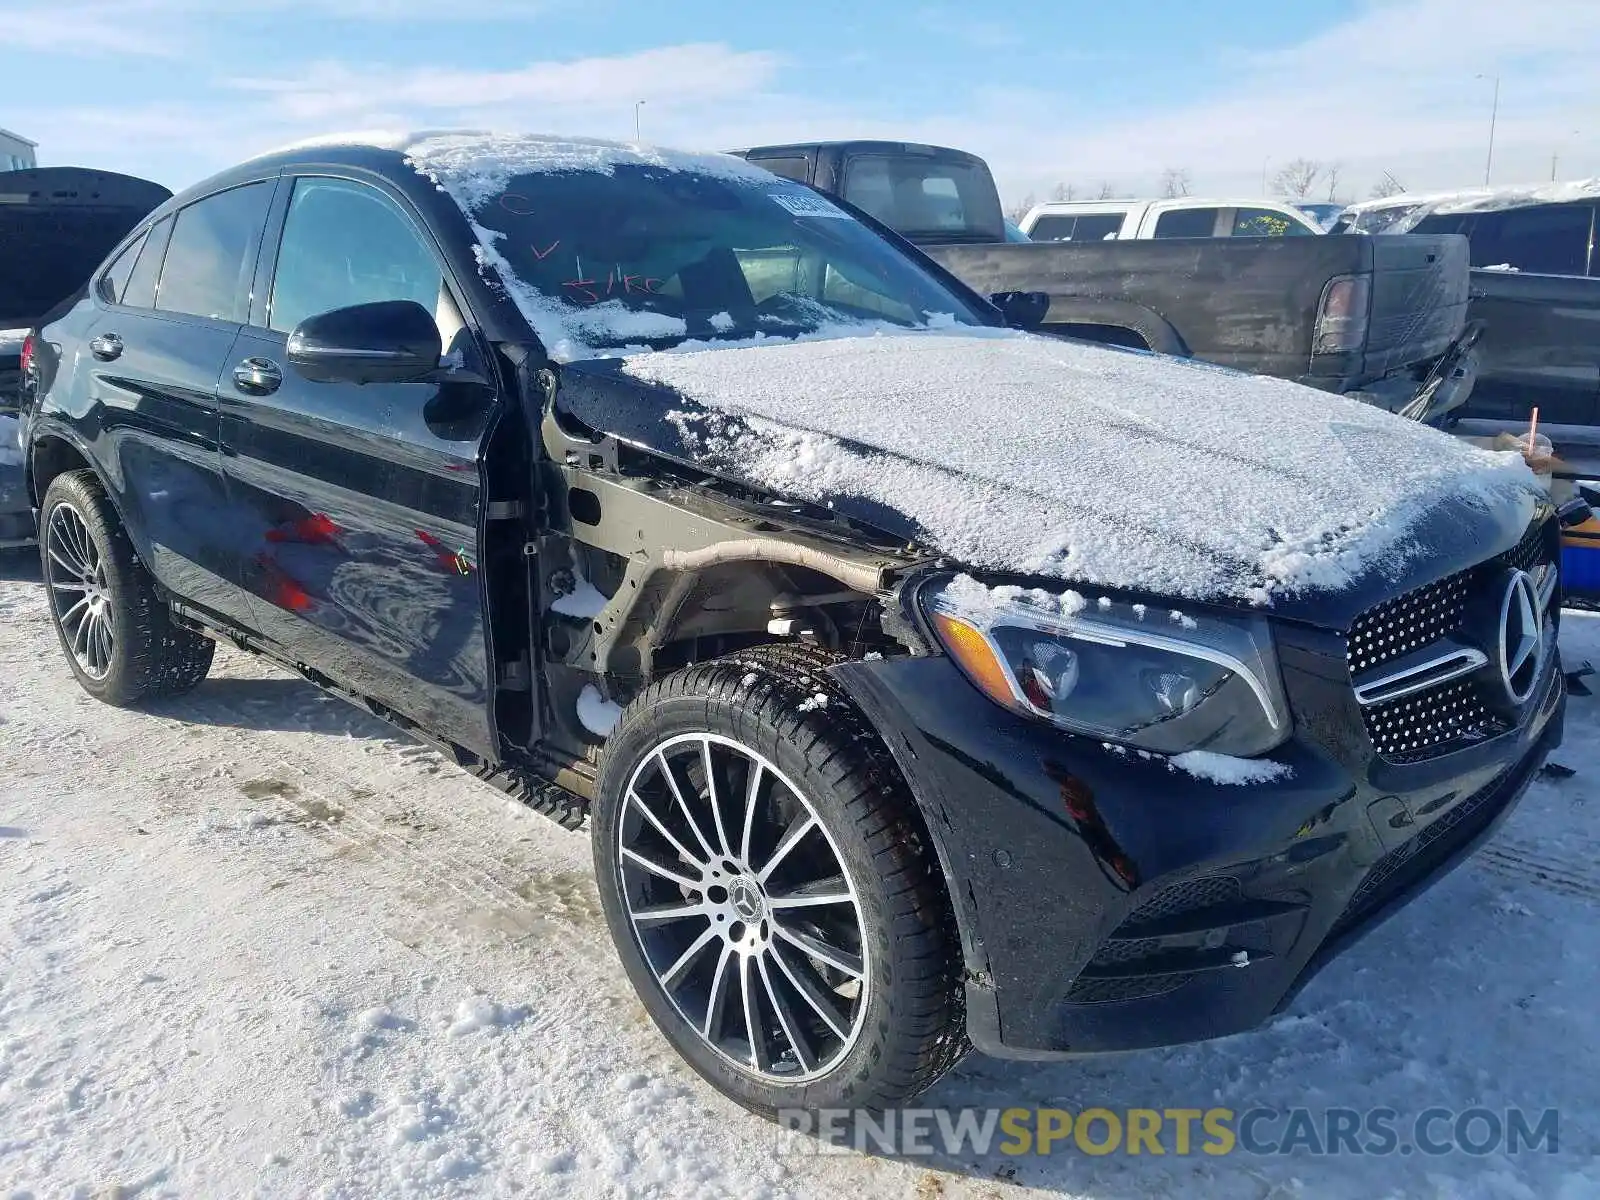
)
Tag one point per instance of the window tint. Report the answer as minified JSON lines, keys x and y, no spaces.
{"x":1186,"y":223}
{"x":140,"y":291}
{"x":922,"y":194}
{"x":797,"y":168}
{"x":1442,"y":224}
{"x":1264,"y":222}
{"x":1551,"y":239}
{"x":344,"y":244}
{"x":1085,"y":227}
{"x":116,"y":275}
{"x":1097,"y":227}
{"x":1053,"y":229}
{"x":212,"y":255}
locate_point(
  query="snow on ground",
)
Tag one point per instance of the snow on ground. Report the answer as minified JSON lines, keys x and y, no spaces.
{"x":252,"y":943}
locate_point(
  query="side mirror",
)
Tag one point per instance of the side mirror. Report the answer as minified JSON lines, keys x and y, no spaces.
{"x":1022,"y":310}
{"x":390,"y":341}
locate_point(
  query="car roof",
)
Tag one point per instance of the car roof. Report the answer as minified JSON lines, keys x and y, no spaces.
{"x":394,"y":153}
{"x":1071,"y":206}
{"x":865,"y":146}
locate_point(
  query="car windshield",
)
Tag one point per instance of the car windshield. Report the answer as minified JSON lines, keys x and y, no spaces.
{"x":642,"y":254}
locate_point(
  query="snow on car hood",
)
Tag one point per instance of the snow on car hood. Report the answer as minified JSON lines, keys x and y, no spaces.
{"x":1027,"y":454}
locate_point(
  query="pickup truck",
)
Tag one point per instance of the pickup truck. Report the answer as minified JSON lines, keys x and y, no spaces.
{"x":924,"y":682}
{"x":1185,"y":217}
{"x":1536,"y":290}
{"x":1383,"y":319}
{"x":56,"y":225}
{"x":1536,"y":286}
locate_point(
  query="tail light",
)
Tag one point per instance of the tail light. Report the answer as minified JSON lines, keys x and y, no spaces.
{"x":27,"y":353}
{"x":1342,"y":315}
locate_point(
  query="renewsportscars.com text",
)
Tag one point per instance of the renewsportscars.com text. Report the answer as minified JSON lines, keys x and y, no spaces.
{"x":1175,"y":1131}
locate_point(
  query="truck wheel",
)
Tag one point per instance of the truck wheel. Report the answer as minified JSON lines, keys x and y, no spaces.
{"x":771,"y":890}
{"x":117,"y":632}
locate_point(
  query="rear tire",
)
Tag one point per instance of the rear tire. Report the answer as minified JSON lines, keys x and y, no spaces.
{"x":840,"y":950}
{"x":116,"y":630}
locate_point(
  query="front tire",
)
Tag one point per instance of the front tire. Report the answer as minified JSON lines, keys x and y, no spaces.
{"x":117,"y":632}
{"x":771,"y":889}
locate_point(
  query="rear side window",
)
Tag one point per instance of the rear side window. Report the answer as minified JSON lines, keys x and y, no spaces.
{"x":1085,"y":227}
{"x":1264,"y":222}
{"x":343,"y":244}
{"x":115,"y":279}
{"x":921,"y":194}
{"x":1550,"y":239}
{"x":212,"y":254}
{"x":140,"y":290}
{"x":1453,"y":223}
{"x":1186,"y":223}
{"x":797,"y":168}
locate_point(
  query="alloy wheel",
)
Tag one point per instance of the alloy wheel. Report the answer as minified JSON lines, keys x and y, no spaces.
{"x":79,"y":593}
{"x":743,"y":907}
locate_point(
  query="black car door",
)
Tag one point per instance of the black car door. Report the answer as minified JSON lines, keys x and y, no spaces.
{"x":361,"y":516}
{"x":167,"y":313}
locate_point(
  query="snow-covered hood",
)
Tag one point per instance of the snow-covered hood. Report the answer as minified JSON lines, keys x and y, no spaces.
{"x":1018,"y":453}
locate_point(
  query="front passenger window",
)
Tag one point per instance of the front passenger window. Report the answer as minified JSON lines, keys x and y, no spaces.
{"x":344,"y":244}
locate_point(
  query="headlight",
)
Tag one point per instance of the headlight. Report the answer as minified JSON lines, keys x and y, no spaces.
{"x":1145,"y":677}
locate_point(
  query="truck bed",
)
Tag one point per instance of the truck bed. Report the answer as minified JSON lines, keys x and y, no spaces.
{"x":1246,"y":303}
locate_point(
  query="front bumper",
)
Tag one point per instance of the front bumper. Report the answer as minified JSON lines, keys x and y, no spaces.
{"x":1107,"y":902}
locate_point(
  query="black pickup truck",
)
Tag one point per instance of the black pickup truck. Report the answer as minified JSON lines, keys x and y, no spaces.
{"x":1536,"y":286}
{"x":1343,"y":315}
{"x":56,"y":225}
{"x":925,"y":682}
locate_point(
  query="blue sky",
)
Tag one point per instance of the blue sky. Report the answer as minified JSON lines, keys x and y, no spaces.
{"x":1086,"y":91}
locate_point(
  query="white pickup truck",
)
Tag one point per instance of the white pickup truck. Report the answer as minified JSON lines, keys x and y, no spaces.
{"x":1188,"y":217}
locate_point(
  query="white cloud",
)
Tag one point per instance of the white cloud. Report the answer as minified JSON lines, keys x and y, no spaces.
{"x":1389,"y":88}
{"x":669,"y":76}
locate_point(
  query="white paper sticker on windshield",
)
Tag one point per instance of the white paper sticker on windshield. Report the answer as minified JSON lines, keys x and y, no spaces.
{"x":807,"y":204}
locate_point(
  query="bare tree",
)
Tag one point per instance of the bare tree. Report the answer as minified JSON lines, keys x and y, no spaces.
{"x":1387,"y":186}
{"x":1064,"y":191}
{"x":1331,"y":174}
{"x":1175,"y":182}
{"x":1107,"y":191}
{"x":1297,"y":177}
{"x":1019,"y":210}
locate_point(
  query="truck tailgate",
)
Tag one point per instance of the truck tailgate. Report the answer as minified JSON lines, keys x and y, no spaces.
{"x":1420,"y":288}
{"x":56,"y":225}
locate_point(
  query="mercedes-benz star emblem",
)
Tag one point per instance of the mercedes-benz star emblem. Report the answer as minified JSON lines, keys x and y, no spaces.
{"x":1521,"y":646}
{"x":746,"y":899}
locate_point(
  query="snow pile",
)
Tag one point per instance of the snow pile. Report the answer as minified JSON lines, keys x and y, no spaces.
{"x":598,"y":715}
{"x":1226,"y":769}
{"x":982,"y":606}
{"x":1030,"y":454}
{"x":584,"y":600}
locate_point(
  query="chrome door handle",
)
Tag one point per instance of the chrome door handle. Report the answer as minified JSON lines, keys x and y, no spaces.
{"x":257,"y":376}
{"x":106,"y":347}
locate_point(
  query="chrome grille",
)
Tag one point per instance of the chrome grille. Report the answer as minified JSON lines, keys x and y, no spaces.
{"x":1434,"y":720}
{"x":1408,"y":622}
{"x":1415,"y":727}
